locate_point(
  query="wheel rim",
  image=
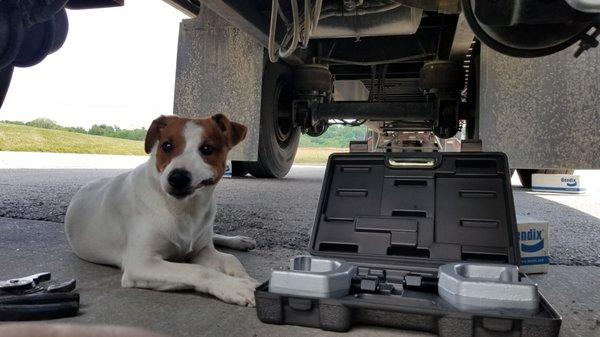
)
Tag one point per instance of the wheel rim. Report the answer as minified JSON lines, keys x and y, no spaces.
{"x":283,"y":118}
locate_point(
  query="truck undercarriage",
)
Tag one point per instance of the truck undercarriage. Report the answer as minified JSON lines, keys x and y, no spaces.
{"x":395,"y":65}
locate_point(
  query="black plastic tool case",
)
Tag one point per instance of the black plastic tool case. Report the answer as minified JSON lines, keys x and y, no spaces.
{"x":412,"y":212}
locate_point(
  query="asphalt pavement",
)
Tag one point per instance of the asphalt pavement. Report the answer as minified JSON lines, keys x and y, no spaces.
{"x":279,"y":215}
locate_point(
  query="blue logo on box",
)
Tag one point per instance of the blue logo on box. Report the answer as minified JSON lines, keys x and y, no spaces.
{"x":532,"y":248}
{"x":571,"y":182}
{"x":525,"y":261}
{"x":531,"y":235}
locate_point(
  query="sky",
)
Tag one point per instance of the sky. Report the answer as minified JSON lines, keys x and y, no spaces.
{"x":116,"y":67}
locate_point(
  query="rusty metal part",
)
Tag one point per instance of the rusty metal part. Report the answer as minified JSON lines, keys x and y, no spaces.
{"x":313,"y":77}
{"x":463,"y":38}
{"x":441,"y":75}
{"x":449,"y":6}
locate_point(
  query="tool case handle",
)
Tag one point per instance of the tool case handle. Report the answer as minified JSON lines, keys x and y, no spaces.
{"x":411,"y":162}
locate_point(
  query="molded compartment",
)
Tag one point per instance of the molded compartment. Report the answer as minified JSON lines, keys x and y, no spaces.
{"x":313,"y":276}
{"x":355,"y":190}
{"x":309,"y":264}
{"x":485,"y":286}
{"x":459,"y":209}
{"x":468,"y":213}
{"x":487,"y":272}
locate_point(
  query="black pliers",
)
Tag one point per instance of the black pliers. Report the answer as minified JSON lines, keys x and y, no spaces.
{"x":32,"y":298}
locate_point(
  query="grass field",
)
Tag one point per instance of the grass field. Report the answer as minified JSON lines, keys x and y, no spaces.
{"x":315,"y":155}
{"x":30,"y":139}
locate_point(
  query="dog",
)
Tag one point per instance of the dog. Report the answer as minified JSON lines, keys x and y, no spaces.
{"x":156,"y":221}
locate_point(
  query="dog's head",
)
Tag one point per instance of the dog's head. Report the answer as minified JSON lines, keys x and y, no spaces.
{"x":191,"y":153}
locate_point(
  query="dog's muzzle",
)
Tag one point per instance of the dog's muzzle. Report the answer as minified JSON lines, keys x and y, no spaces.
{"x":180,"y":183}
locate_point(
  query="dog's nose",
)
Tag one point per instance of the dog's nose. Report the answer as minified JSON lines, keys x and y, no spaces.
{"x":180,"y":179}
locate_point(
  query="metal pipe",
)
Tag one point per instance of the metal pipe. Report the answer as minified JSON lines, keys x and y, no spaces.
{"x":419,"y":57}
{"x":307,"y":24}
{"x":359,"y":11}
{"x":316,"y":15}
{"x":295,"y":32}
{"x":388,"y":111}
{"x":273,"y":54}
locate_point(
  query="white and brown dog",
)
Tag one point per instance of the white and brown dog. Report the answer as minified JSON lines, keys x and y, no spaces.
{"x":156,"y":222}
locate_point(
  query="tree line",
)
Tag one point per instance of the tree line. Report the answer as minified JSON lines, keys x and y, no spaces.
{"x":336,"y":136}
{"x":96,"y":129}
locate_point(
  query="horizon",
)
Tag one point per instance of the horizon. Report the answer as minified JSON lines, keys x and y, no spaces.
{"x":18,"y":122}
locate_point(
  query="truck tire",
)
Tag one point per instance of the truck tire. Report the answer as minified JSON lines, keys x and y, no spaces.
{"x":278,"y":138}
{"x":525,"y":174}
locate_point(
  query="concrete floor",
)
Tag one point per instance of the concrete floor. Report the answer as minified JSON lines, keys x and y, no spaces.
{"x":280,"y":213}
{"x":32,"y":246}
{"x":259,"y":208}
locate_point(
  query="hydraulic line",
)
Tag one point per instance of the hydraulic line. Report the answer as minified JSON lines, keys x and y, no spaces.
{"x":360,"y":11}
{"x":300,"y":30}
{"x":295,"y":32}
{"x":306,"y":24}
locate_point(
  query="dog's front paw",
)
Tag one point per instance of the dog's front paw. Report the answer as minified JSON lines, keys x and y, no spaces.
{"x":235,"y":290}
{"x":230,"y":265}
{"x":243,"y":242}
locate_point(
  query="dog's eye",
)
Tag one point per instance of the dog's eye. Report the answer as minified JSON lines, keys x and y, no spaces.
{"x":206,"y":150}
{"x":167,"y":147}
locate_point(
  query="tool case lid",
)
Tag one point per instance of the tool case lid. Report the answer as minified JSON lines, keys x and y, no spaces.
{"x":416,"y":211}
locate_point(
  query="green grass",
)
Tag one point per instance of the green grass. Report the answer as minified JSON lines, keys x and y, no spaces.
{"x":31,"y":139}
{"x":22,"y":138}
{"x":315,"y":155}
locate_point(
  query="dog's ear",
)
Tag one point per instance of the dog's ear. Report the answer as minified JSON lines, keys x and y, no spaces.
{"x":154,"y":132}
{"x":234,"y":132}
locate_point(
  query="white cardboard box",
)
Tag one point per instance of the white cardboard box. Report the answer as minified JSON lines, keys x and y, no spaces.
{"x":534,"y":245}
{"x":228,"y":170}
{"x":560,"y":183}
